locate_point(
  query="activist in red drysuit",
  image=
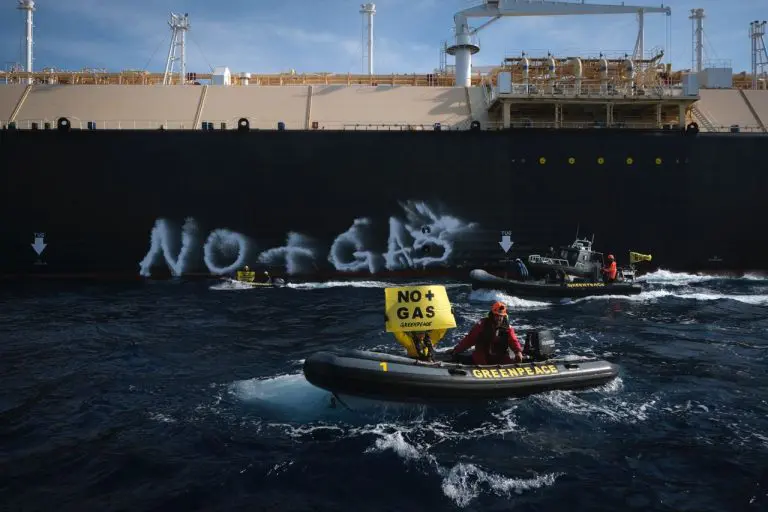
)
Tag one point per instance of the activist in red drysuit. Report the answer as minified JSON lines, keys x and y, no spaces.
{"x":490,"y":348}
{"x":609,"y":272}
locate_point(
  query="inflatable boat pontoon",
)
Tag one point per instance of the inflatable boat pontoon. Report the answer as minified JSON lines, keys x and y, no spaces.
{"x":397,"y":378}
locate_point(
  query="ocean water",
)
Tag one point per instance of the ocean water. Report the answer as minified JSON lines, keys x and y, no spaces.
{"x":189,"y":396}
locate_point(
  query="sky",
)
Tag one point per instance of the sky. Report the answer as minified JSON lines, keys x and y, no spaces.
{"x":273,"y":36}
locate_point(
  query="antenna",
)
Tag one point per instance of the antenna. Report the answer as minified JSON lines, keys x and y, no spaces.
{"x":759,"y":53}
{"x":179,"y":25}
{"x":443,"y":57}
{"x":697,"y":25}
{"x":29,"y":6}
{"x":368,"y":10}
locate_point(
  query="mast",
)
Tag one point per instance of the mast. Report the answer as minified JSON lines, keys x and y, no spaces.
{"x":179,"y":25}
{"x":368,"y":10}
{"x":29,"y":6}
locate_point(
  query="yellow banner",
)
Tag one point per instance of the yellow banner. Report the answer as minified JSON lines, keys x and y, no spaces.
{"x":634,"y":257}
{"x":243,"y":275}
{"x":418,"y":308}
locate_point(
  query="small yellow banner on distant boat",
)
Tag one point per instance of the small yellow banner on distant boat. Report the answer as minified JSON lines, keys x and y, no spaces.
{"x":634,"y":257}
{"x":418,"y":308}
{"x":246,"y":276}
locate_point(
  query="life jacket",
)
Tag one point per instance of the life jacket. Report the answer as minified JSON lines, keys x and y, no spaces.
{"x":423,"y":349}
{"x":494,"y":342}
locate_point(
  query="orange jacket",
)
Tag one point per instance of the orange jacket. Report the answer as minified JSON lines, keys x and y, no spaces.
{"x":611,"y":270}
{"x":482,"y":354}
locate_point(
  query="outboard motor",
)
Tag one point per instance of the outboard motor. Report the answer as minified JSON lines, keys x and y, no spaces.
{"x":539,"y":345}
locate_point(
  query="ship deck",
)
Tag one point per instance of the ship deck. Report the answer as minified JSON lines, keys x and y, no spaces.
{"x":358,"y":102}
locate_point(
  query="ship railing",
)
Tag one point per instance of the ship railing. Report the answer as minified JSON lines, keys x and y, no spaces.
{"x":489,"y":91}
{"x":736,"y":128}
{"x":79,"y":124}
{"x":277,"y":124}
{"x":588,"y":91}
{"x":230,"y":124}
{"x":543,"y":260}
{"x":409,"y":127}
{"x":464,"y":124}
{"x":583,"y":125}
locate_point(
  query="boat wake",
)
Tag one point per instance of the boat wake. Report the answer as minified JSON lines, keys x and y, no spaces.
{"x":487,"y":297}
{"x":667,"y":277}
{"x":655,"y":295}
{"x":231,"y":284}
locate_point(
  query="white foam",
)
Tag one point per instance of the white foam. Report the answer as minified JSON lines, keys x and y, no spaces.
{"x":512,"y":302}
{"x":229,"y":285}
{"x":662,"y":276}
{"x":277,"y":387}
{"x":612,"y":408}
{"x":278,"y":468}
{"x":339,"y":284}
{"x":363,"y":284}
{"x":289,"y":395}
{"x":654,"y":295}
{"x":161,"y":418}
{"x":464,"y":482}
{"x":689,"y":407}
{"x":667,"y":277}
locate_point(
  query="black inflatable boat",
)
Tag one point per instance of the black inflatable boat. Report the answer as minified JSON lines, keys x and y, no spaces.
{"x":402,"y":379}
{"x":482,"y":280}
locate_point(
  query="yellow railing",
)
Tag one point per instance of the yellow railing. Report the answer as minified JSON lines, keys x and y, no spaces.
{"x":135,"y":78}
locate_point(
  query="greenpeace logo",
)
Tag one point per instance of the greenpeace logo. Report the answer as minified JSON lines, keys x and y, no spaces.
{"x":415,"y":324}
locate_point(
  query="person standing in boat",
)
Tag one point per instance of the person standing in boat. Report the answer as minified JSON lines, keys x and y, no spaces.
{"x":609,"y":272}
{"x":492,"y":338}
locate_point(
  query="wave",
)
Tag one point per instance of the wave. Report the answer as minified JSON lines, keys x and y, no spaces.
{"x":655,"y":295}
{"x":489,"y":296}
{"x":667,"y":277}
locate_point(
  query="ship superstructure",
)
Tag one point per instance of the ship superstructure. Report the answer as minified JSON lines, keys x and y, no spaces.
{"x":634,"y":90}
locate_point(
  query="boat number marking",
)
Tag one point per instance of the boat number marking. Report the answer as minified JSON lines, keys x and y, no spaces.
{"x":584,"y":285}
{"x":383,"y":365}
{"x":506,"y":373}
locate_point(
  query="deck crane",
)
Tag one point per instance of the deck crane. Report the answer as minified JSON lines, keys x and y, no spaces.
{"x":496,"y":9}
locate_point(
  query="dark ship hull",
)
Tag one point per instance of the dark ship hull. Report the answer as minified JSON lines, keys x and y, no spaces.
{"x":323,"y":204}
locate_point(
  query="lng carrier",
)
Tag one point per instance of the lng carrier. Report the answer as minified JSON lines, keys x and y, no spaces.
{"x":149,"y":175}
